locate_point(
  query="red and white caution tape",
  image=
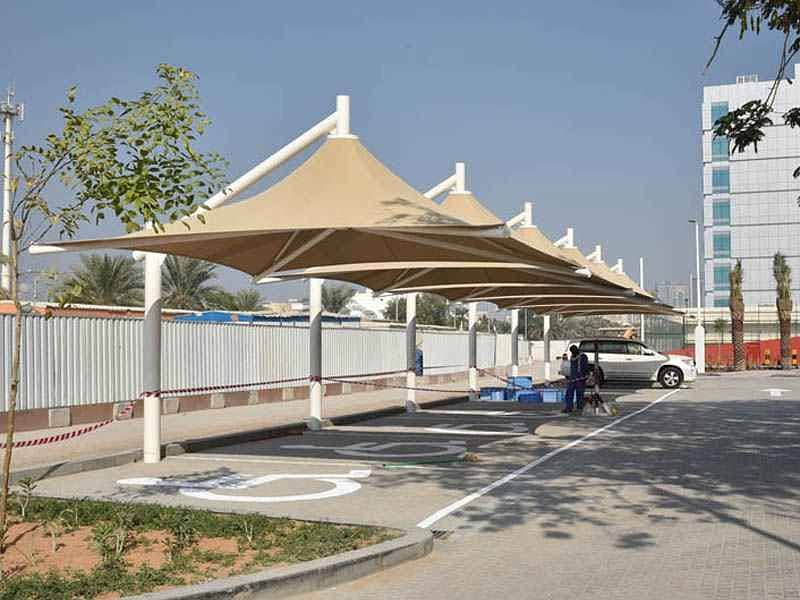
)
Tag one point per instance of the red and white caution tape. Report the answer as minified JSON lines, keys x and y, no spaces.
{"x":396,"y":387}
{"x":51,"y":439}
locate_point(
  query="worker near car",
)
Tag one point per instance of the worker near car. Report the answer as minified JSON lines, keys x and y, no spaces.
{"x":576,"y":383}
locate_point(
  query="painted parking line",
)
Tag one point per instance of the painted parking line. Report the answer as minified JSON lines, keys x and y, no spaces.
{"x":478,"y":413}
{"x":374,"y":450}
{"x":515,"y":428}
{"x":448,"y":510}
{"x":233,"y":458}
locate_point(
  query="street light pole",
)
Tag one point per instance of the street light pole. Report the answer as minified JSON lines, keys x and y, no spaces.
{"x":699,"y":330}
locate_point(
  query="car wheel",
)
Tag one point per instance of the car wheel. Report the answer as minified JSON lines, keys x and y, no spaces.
{"x":670,"y":377}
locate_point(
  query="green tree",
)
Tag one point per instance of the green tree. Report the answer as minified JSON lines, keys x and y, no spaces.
{"x":737,"y":317}
{"x":135,"y":159}
{"x":247,"y":300}
{"x":744,"y":126}
{"x":335,"y":297}
{"x":103,"y":279}
{"x":565,"y":328}
{"x":431,"y":310}
{"x":186,"y":283}
{"x":783,"y":284}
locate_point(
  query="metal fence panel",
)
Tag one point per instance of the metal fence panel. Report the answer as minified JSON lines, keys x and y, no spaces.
{"x":71,"y":361}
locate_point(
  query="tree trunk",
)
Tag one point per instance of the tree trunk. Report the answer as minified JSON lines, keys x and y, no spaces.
{"x":785,"y":324}
{"x":12,"y":394}
{"x":737,"y":336}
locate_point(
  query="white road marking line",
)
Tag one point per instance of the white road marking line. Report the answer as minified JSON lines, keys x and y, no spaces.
{"x":296,"y":461}
{"x":447,"y":510}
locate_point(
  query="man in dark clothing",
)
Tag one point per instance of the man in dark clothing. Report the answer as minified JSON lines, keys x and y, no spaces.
{"x":576,"y":387}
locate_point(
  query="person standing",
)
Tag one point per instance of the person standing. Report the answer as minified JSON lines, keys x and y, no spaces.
{"x":576,"y":386}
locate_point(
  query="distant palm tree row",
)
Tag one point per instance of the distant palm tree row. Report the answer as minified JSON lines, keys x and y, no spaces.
{"x":119,"y":281}
{"x":783,"y":302}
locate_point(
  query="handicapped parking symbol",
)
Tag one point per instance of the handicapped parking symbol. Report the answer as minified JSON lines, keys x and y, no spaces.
{"x":343,"y":484}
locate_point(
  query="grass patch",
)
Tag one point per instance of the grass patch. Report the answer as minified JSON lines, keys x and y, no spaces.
{"x":65,"y":549}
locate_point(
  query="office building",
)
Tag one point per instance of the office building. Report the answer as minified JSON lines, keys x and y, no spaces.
{"x":750,"y":199}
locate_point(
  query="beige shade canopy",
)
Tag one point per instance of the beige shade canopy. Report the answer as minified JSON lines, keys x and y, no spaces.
{"x":600,"y":269}
{"x":458,"y":280}
{"x":341,"y":206}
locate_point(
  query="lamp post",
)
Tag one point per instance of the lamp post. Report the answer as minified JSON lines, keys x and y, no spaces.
{"x":699,"y":330}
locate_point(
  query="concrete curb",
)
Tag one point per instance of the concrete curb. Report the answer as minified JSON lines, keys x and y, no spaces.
{"x":202,"y":444}
{"x":306,"y":577}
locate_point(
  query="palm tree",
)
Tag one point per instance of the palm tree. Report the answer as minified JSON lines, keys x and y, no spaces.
{"x":336,"y":297}
{"x":737,"y":317}
{"x":248,"y":300}
{"x":186,"y":283}
{"x":783,"y":280}
{"x":103,"y":279}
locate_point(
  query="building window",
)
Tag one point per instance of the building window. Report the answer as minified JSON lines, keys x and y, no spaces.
{"x":718,"y":110}
{"x":722,"y":212}
{"x":719,"y":148}
{"x":722,"y":302}
{"x":722,"y":278}
{"x":720,"y":180}
{"x":722,"y":245}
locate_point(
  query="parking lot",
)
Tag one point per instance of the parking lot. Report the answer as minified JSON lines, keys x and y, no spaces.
{"x":395,"y":470}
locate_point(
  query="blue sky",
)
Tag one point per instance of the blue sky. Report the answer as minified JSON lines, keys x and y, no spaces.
{"x":590,"y":109}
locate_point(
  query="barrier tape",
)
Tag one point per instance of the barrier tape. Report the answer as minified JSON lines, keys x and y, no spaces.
{"x":214,"y":388}
{"x":397,"y":387}
{"x":71,"y":434}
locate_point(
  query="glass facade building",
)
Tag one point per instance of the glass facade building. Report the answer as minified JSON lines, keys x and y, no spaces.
{"x":750,"y":199}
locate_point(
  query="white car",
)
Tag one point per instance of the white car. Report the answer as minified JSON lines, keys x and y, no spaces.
{"x":629,"y":360}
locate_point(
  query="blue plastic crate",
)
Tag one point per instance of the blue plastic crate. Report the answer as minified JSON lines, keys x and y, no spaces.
{"x":552,"y":394}
{"x":521,"y":382}
{"x":493,"y":393}
{"x":530,"y":397}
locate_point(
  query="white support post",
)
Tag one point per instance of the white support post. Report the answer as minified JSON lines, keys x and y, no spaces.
{"x":9,"y":110}
{"x":641,"y":285}
{"x":699,"y":330}
{"x":515,"y":342}
{"x":411,"y":352}
{"x":473,"y":351}
{"x":546,"y":339}
{"x":151,"y":358}
{"x":314,"y":420}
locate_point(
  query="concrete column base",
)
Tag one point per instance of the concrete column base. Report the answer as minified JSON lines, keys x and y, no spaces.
{"x":217,"y":401}
{"x":315,"y":424}
{"x":412,"y":406}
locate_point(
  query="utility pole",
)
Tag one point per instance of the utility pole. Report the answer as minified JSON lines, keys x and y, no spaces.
{"x":641,"y":285}
{"x":9,"y":110}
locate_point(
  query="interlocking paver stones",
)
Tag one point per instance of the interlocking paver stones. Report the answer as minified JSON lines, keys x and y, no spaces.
{"x":695,"y":498}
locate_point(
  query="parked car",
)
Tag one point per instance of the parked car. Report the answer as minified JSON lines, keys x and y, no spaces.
{"x":629,"y":360}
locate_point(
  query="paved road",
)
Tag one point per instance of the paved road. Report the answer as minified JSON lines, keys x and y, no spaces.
{"x":697,"y":497}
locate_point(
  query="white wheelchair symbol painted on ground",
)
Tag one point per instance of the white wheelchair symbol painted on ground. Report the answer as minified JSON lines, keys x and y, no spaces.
{"x":342,"y":485}
{"x":376,"y":450}
{"x":480,"y":428}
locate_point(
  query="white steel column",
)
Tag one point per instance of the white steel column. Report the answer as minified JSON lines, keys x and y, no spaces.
{"x":699,"y":330}
{"x":411,"y":352}
{"x":546,"y":339}
{"x":151,"y":359}
{"x":9,"y":111}
{"x":515,"y":342}
{"x":314,"y":419}
{"x":473,"y":350}
{"x":641,"y":285}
